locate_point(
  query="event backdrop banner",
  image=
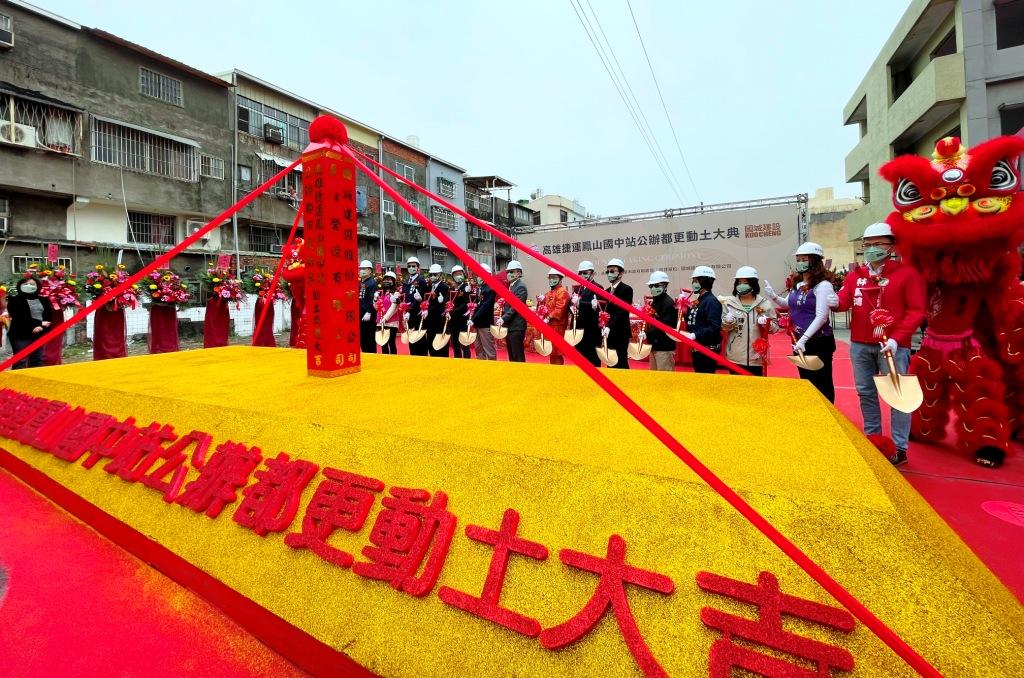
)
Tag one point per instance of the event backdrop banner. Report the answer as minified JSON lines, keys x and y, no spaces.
{"x":763,"y":237}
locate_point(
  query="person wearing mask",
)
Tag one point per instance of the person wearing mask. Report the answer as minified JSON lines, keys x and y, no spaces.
{"x":31,"y":317}
{"x":511,"y":320}
{"x":663,"y":347}
{"x":462,"y":294}
{"x":414,"y":291}
{"x":704,"y":319}
{"x":435,"y":320}
{"x":585,"y":304}
{"x":557,"y":301}
{"x":483,"y":318}
{"x":388,"y":302}
{"x":809,"y":301}
{"x":895,"y":294}
{"x":748,"y":318}
{"x":618,"y":330}
{"x":367,"y":297}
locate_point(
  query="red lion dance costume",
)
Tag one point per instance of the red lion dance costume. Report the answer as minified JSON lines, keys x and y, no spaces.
{"x":959,"y":220}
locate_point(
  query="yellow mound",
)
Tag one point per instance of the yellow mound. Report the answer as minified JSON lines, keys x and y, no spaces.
{"x":545,"y":441}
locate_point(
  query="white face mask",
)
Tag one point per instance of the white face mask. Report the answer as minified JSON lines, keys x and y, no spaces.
{"x":413,"y":270}
{"x":459,"y":278}
{"x":29,"y":288}
{"x":613,"y":276}
{"x":364,"y":273}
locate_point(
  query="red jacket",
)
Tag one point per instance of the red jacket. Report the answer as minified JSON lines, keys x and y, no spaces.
{"x":898,"y":288}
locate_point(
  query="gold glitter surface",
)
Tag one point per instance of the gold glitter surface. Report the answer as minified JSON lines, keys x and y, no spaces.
{"x":545,"y":441}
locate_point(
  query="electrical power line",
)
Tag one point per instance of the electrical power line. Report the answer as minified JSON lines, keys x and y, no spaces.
{"x":625,"y":101}
{"x":663,"y":106}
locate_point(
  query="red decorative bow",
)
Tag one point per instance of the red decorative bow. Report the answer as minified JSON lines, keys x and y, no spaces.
{"x":602,"y":319}
{"x":882,"y":320}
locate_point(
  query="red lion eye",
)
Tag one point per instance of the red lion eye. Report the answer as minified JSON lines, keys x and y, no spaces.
{"x":966,"y":190}
{"x":938,"y":193}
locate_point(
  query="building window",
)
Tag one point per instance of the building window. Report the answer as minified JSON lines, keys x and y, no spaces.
{"x":408,"y":218}
{"x":394,"y":254}
{"x":150,"y":229}
{"x":407,"y":171}
{"x":133,"y":149}
{"x":389,"y":207}
{"x":262,"y":238}
{"x":445,"y":188}
{"x":289,"y":186}
{"x":479,"y":233}
{"x":440,"y":257}
{"x":252,"y":116}
{"x":245,"y":175}
{"x":901,"y":79}
{"x":443,"y":217}
{"x":1011,"y":119}
{"x":211,"y":166}
{"x":1009,"y":23}
{"x":947,"y":46}
{"x":35,"y":125}
{"x":160,"y":86}
{"x":20,"y":264}
{"x":535,"y":219}
{"x":563,"y":216}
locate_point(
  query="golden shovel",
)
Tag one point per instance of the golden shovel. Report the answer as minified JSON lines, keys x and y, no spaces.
{"x":609,"y":357}
{"x":543,"y":347}
{"x":417,"y":334}
{"x":807,"y":362}
{"x":441,"y":340}
{"x":499,"y":332}
{"x":468,"y":337}
{"x":573,"y":336}
{"x":900,"y":391}
{"x":638,"y":350}
{"x":381,"y":336}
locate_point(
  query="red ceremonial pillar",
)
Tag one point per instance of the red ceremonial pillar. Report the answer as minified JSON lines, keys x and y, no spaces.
{"x":163,"y":328}
{"x":217,"y":324}
{"x":108,"y":333}
{"x":329,"y":218}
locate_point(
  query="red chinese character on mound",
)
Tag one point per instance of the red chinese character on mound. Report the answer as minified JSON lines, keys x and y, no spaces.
{"x":408,"y":531}
{"x":220,"y":478}
{"x":343,"y":501}
{"x":270,"y":504}
{"x":767,"y":630}
{"x":505,"y":543}
{"x":610,"y":592}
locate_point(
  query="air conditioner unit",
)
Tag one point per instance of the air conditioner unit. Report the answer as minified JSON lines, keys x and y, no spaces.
{"x":5,"y":223}
{"x":276,"y":249}
{"x":273,"y":133}
{"x":19,"y":135}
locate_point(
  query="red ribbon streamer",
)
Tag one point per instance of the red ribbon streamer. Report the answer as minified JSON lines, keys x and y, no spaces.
{"x":802,"y":560}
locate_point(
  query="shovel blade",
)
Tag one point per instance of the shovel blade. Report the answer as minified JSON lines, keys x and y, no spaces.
{"x":608,"y":356}
{"x":499,"y":332}
{"x":405,"y":337}
{"x":440,"y":341}
{"x":808,"y":362}
{"x":467,"y":338}
{"x":381,"y":337}
{"x":573,"y":336}
{"x":901,"y":393}
{"x":637,"y":351}
{"x":543,"y":348}
{"x":416,"y":335}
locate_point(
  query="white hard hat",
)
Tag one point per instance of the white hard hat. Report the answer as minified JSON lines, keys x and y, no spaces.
{"x":704,"y":272}
{"x":365,"y":263}
{"x":486,"y":267}
{"x":514,"y":266}
{"x":412,"y":260}
{"x":436,"y":268}
{"x":617,"y":262}
{"x":810,"y":248}
{"x":657,"y":278}
{"x":391,"y":274}
{"x":748,"y":272}
{"x":555,"y":271}
{"x":585,"y":266}
{"x":456,"y":267}
{"x":881,"y":230}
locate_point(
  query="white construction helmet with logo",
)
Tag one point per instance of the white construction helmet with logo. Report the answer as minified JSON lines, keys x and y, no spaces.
{"x":412,"y":260}
{"x":880,"y":230}
{"x":810,"y":248}
{"x":585,"y":266}
{"x":657,"y":278}
{"x":514,"y":266}
{"x":748,"y":272}
{"x":704,"y":272}
{"x":391,"y":274}
{"x":436,"y":268}
{"x":365,"y":263}
{"x":555,"y":271}
{"x":486,"y":267}
{"x":456,"y":267}
{"x":616,"y":262}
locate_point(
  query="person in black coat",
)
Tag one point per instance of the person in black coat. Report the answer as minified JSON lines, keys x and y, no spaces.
{"x":704,"y":320}
{"x":619,"y":332}
{"x":435,"y":322}
{"x":462,"y":294}
{"x":31,"y":317}
{"x":414,"y":291}
{"x":663,"y":347}
{"x":367,"y":311}
{"x":586,"y":304}
{"x":483,"y":318}
{"x":515,"y":341}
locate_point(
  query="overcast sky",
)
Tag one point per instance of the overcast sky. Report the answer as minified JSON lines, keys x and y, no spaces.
{"x":755,"y":89}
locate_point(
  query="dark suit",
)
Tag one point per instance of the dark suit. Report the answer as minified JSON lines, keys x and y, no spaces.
{"x":367,"y":328}
{"x":409,"y":287}
{"x":516,"y":325}
{"x":619,"y":333}
{"x":435,"y":319}
{"x":587,"y":321}
{"x":460,"y":321}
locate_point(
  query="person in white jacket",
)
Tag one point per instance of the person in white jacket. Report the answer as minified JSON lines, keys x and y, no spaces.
{"x":748,"y":318}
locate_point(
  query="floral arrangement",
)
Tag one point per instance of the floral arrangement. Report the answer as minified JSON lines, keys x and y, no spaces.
{"x":60,"y":287}
{"x":102,"y":279}
{"x":258,"y":282}
{"x":223,"y":284}
{"x":164,"y":286}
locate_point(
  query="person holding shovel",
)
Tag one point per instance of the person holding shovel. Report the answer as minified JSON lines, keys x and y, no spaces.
{"x":556,"y":299}
{"x":808,"y":302}
{"x":886,"y":300}
{"x":438,"y":313}
{"x":663,"y":347}
{"x":704,"y":319}
{"x":748,"y":318}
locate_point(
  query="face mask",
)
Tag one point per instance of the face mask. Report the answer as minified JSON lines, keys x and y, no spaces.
{"x":613,"y":276}
{"x":413,"y":270}
{"x":388,"y":284}
{"x":876,"y":253}
{"x":29,"y":288}
{"x":802,"y":266}
{"x":515,"y":275}
{"x":479,"y":281}
{"x":588,"y":276}
{"x":553,"y":282}
{"x":459,"y":278}
{"x":434,"y":277}
{"x":364,"y":273}
{"x":696,"y":288}
{"x":657,"y":290}
{"x":743,"y":288}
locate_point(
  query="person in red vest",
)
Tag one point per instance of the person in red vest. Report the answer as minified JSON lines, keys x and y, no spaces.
{"x":887,"y":303}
